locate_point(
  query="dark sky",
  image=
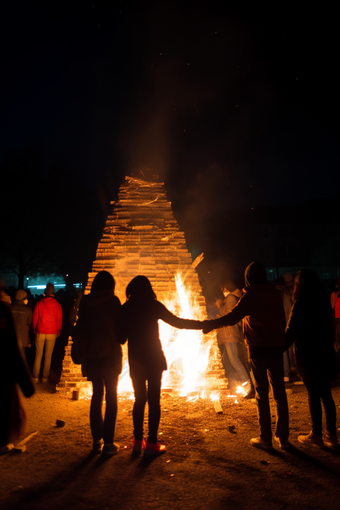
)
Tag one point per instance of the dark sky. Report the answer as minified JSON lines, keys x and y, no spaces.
{"x":232,"y":103}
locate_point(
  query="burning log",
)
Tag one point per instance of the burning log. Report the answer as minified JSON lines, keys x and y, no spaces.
{"x":215,"y":398}
{"x":218,"y":407}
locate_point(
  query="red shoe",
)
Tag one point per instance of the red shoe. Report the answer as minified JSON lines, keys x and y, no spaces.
{"x":139,"y":445}
{"x":154,"y":449}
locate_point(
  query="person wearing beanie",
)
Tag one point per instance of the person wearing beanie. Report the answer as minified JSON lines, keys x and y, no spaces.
{"x":228,"y":339}
{"x":22,"y":317}
{"x":47,"y":322}
{"x":261,"y":309}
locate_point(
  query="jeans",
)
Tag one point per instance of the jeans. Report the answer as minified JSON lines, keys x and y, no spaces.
{"x":317,"y":393}
{"x":104,"y":428}
{"x":234,"y":369}
{"x":41,"y":340}
{"x":232,"y":350}
{"x":265,"y":372}
{"x":152,"y":394}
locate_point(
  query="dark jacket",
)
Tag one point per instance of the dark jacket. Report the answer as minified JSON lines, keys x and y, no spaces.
{"x":264,"y":321}
{"x":13,"y":370}
{"x":22,"y":317}
{"x":47,"y":316}
{"x":139,"y":325}
{"x":97,"y":330}
{"x":261,"y":308}
{"x":310,"y":328}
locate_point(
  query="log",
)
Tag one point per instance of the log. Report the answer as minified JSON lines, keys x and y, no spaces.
{"x":24,"y":441}
{"x":218,"y":407}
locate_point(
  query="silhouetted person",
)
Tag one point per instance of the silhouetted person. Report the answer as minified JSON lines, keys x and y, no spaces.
{"x":22,"y":317}
{"x":139,"y":325}
{"x":64,"y":299}
{"x":47,"y":323}
{"x":13,"y":371}
{"x":287,"y":297}
{"x":101,"y":354}
{"x":264,"y":329}
{"x":73,"y":315}
{"x":310,"y":328}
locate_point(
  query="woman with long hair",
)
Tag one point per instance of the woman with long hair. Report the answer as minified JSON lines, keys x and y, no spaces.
{"x":101,"y":356}
{"x":139,"y":325}
{"x":310,"y":328}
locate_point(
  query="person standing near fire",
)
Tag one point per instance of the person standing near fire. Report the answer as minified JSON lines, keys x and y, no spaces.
{"x":228,"y":338}
{"x":261,"y":308}
{"x":310,"y":328}
{"x":139,"y":326}
{"x":47,"y":323}
{"x":95,"y":334}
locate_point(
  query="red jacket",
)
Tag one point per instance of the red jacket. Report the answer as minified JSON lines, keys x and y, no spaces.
{"x":47,"y":316}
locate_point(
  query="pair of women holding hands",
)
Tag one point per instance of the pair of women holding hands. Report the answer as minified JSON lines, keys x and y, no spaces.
{"x":103,"y":325}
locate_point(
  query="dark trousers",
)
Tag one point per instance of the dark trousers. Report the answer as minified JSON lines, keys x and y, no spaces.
{"x":143,"y":394}
{"x":267,"y":371}
{"x":104,"y":428}
{"x":317,"y":393}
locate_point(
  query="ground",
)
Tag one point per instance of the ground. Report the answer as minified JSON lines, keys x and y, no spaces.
{"x":209,"y":463}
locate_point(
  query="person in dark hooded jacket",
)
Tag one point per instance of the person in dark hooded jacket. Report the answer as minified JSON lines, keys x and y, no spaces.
{"x":101,"y":356}
{"x":262,"y":311}
{"x":310,"y":328}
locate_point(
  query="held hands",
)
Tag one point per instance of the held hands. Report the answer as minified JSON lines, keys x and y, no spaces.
{"x":207,"y":326}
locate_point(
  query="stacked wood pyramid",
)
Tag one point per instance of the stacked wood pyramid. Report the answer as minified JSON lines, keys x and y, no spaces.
{"x":141,"y":236}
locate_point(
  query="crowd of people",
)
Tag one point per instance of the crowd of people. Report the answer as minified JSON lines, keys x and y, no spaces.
{"x":289,"y":325}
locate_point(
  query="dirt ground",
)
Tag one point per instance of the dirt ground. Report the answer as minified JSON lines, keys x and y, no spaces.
{"x":209,"y":463}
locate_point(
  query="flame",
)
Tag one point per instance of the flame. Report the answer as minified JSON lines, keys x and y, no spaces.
{"x":214,"y":396}
{"x":186,"y":352}
{"x":240,"y":390}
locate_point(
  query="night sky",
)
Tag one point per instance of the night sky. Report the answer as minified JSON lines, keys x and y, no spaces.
{"x":233,"y":104}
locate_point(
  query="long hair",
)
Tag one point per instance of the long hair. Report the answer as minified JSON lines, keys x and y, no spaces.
{"x":140,"y":288}
{"x":103,"y":281}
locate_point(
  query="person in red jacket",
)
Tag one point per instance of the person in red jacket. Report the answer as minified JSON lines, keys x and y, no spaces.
{"x":47,"y":321}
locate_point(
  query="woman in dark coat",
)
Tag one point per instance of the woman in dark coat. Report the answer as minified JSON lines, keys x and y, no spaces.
{"x":310,"y":328}
{"x":139,"y":325}
{"x":101,"y":355}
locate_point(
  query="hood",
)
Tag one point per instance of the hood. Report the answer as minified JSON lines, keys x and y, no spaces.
{"x":255,"y":274}
{"x":48,"y":301}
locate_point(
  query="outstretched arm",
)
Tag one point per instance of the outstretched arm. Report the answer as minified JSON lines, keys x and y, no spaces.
{"x":238,"y":313}
{"x":168,"y":317}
